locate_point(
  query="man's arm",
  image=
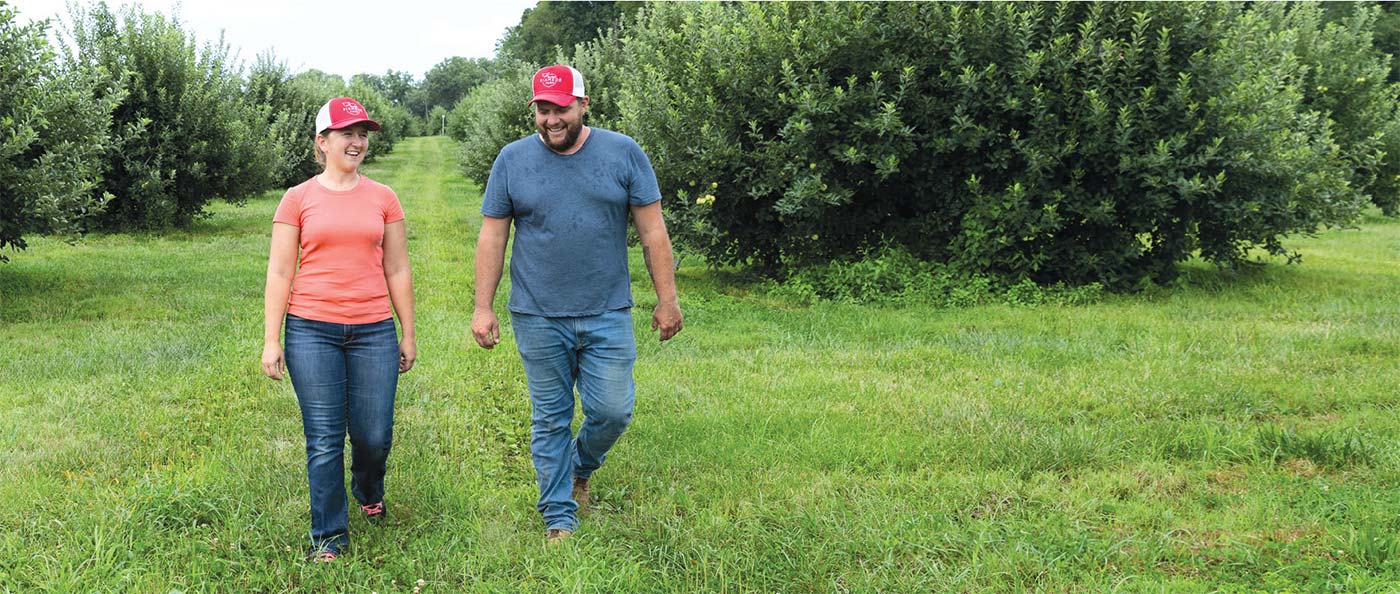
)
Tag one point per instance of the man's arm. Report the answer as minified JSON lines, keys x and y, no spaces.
{"x":490,"y":261}
{"x":656,"y":251}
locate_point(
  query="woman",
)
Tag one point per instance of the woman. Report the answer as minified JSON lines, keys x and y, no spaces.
{"x":341,"y":350}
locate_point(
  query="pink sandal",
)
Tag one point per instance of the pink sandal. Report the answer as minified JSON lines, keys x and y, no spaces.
{"x":373,"y":511}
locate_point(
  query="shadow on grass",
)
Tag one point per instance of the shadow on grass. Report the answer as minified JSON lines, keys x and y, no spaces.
{"x":1272,"y":275}
{"x":727,"y":280}
{"x":1196,"y":277}
{"x":1205,"y":276}
{"x":252,"y":217}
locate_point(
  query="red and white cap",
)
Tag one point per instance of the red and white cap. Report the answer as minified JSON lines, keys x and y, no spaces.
{"x":557,"y":84}
{"x":342,"y":112}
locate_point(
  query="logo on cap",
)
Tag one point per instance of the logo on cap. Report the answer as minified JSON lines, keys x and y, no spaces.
{"x":351,"y":108}
{"x":549,"y":79}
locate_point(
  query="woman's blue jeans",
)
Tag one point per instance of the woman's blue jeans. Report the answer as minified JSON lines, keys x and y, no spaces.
{"x":594,"y":354}
{"x":345,"y":376}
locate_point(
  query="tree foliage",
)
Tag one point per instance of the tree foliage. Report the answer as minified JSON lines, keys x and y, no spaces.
{"x":1348,"y":77}
{"x":1385,"y":32}
{"x":553,"y":27}
{"x":1076,"y":142}
{"x":288,"y":113}
{"x":52,"y":138}
{"x":451,"y":79}
{"x":393,"y":85}
{"x":287,"y":105}
{"x":180,"y":134}
{"x":490,"y":117}
{"x":403,"y":96}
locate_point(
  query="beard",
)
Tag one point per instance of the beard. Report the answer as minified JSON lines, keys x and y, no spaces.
{"x":571,"y":132}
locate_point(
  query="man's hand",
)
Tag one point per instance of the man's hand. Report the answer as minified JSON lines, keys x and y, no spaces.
{"x":485,"y":328}
{"x":667,"y":318}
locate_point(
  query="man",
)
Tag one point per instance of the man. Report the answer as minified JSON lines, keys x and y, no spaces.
{"x":569,"y":190}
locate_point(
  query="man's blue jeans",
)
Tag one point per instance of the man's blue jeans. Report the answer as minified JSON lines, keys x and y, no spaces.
{"x":594,"y":354}
{"x":345,"y":377}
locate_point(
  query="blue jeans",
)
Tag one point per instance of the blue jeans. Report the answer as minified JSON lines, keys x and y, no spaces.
{"x":594,"y":354}
{"x":345,"y":377}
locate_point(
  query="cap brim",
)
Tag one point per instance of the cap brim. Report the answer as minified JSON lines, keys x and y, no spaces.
{"x":373,"y":125}
{"x":559,"y":99}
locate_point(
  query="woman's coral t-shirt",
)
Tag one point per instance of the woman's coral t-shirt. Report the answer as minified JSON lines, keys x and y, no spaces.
{"x":341,"y":274}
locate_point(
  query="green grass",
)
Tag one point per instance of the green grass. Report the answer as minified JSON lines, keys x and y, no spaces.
{"x":1236,"y":434}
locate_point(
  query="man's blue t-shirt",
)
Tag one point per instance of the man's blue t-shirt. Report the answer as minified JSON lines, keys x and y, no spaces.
{"x":570,"y":214}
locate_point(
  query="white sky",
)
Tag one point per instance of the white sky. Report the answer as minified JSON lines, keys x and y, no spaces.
{"x":346,"y":37}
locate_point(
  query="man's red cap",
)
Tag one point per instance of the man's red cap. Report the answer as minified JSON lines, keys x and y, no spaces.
{"x":557,"y":84}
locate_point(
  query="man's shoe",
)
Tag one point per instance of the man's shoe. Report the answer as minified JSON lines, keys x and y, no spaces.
{"x":374,"y":511}
{"x":556,"y":535}
{"x":581,"y":494}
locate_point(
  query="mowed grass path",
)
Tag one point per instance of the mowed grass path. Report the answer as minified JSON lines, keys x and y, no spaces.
{"x":1237,"y":433}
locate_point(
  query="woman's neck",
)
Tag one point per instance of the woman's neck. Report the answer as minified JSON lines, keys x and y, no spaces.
{"x":339,"y":180}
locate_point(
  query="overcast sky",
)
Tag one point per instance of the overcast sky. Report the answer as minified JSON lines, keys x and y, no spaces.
{"x":347,"y":37}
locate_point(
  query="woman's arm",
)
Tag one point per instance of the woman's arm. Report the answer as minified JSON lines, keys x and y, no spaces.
{"x":281,"y":267}
{"x":399,"y":277}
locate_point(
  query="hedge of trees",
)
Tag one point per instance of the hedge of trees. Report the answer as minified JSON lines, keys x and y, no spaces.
{"x":1074,"y":142}
{"x":52,"y":123}
{"x":179,"y":135}
{"x":132,"y":123}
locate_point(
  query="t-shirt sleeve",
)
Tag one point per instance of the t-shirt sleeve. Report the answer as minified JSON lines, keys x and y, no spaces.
{"x":495,"y":200}
{"x":393,"y":211}
{"x":289,"y":210}
{"x":643,"y":189}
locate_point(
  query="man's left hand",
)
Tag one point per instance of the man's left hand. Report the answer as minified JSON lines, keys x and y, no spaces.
{"x":667,"y":318}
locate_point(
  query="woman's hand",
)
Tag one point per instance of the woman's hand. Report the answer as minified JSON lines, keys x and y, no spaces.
{"x":408,"y":353}
{"x":273,"y":364}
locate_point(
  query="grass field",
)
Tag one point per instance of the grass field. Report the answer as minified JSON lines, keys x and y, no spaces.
{"x":1238,"y":433}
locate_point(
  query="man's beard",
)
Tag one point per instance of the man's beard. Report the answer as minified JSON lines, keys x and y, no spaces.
{"x":570,"y":137}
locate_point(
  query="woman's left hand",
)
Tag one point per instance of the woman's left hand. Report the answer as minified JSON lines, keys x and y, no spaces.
{"x":408,"y":352}
{"x":273,"y":362}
